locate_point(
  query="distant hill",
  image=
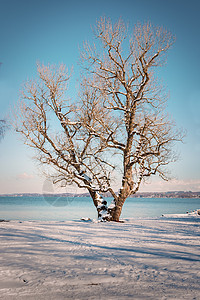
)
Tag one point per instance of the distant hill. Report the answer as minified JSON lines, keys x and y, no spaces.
{"x":175,"y":194}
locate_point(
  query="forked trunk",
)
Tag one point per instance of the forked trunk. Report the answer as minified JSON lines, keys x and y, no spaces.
{"x":105,"y":212}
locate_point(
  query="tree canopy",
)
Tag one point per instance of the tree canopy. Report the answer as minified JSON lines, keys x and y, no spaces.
{"x":118,"y":125}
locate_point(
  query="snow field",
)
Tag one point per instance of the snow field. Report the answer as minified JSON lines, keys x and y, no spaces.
{"x":138,"y":259}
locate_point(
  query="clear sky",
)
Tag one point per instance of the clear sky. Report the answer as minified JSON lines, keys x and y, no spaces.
{"x":52,"y":32}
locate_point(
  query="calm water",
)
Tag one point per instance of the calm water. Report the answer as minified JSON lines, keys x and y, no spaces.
{"x":61,"y":209}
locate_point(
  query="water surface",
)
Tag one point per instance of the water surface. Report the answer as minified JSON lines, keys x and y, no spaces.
{"x":73,"y":208}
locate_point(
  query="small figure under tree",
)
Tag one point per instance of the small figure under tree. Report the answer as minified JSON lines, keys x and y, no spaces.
{"x":118,"y":125}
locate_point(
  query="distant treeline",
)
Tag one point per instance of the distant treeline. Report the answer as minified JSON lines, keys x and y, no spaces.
{"x":175,"y":194}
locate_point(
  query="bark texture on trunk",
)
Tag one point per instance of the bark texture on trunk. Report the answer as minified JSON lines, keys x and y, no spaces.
{"x":116,"y":213}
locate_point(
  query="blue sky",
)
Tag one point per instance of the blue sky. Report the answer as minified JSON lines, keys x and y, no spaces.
{"x":53,"y":31}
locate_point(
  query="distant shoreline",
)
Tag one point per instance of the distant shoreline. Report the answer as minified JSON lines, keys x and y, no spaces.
{"x":173,"y":194}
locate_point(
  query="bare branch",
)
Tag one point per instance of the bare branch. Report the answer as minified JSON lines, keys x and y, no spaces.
{"x":118,"y":123}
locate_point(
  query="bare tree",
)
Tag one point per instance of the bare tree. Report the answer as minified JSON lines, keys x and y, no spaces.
{"x":117,"y":129}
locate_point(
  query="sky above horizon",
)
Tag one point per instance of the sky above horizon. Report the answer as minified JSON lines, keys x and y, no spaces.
{"x":53,"y":31}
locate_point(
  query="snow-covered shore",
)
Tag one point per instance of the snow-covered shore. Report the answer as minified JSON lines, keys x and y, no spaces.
{"x":138,"y":259}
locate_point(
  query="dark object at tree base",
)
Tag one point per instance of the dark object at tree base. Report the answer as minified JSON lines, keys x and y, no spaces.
{"x":86,"y":219}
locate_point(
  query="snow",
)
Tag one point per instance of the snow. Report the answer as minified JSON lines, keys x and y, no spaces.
{"x":193,"y":214}
{"x":112,"y":204}
{"x":103,"y":216}
{"x":138,"y":259}
{"x":86,"y":177}
{"x":99,"y":198}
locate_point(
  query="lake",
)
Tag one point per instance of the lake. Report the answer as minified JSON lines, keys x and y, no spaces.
{"x":73,"y":208}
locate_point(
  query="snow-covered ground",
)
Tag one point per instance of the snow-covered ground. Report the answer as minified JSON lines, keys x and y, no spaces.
{"x":138,"y":259}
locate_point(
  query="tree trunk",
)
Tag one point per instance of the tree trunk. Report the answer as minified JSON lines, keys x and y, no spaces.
{"x":101,"y":206}
{"x":105,"y":212}
{"x":116,"y":213}
{"x":127,"y":185}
